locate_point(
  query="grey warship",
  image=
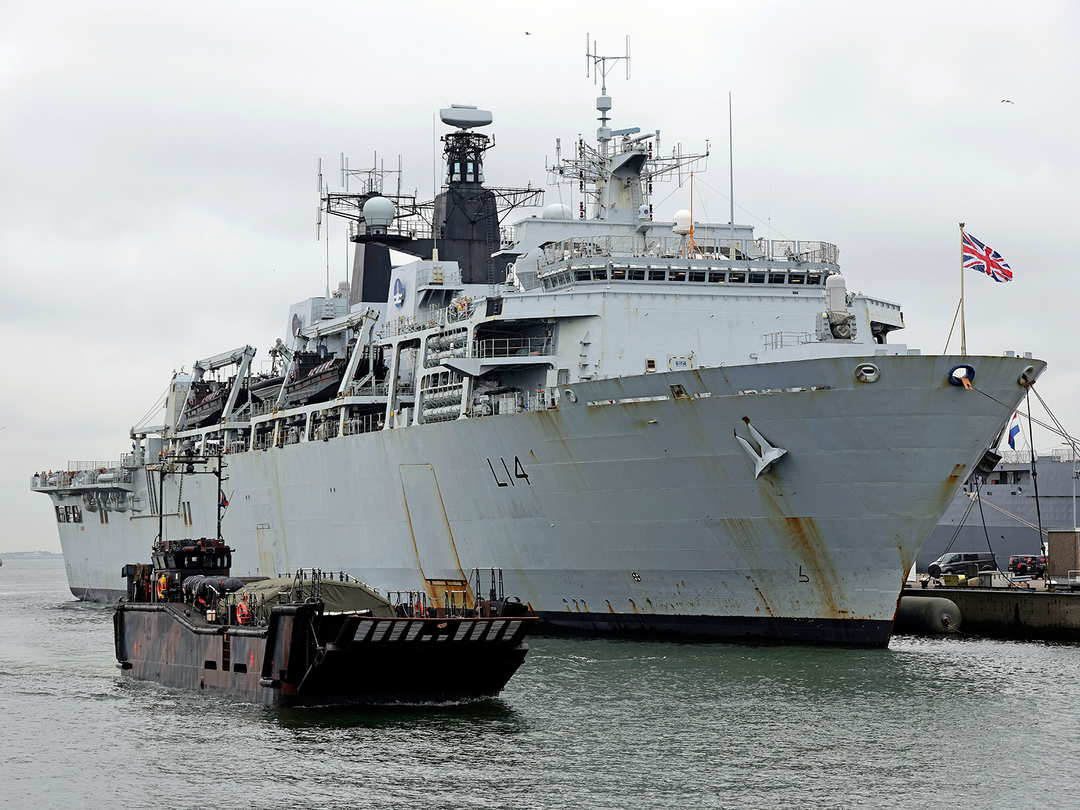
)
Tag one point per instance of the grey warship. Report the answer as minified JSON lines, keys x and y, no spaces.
{"x":658,"y":427}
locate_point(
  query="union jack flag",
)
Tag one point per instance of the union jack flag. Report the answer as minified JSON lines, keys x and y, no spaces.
{"x":978,"y":256}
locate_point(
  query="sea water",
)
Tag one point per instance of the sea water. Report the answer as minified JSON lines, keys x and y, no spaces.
{"x":586,"y":723}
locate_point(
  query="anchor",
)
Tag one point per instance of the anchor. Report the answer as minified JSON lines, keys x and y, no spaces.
{"x":765,"y":455}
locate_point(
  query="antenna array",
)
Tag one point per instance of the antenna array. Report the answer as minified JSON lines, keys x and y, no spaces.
{"x":591,"y":168}
{"x":599,"y":64}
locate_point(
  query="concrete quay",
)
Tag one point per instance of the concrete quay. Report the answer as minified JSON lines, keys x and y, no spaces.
{"x":1012,"y":613}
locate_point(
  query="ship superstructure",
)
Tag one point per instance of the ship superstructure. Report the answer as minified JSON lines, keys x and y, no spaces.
{"x":653,"y":427}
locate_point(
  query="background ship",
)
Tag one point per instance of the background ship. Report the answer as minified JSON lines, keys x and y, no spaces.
{"x":1009,"y":521}
{"x":652,"y":427}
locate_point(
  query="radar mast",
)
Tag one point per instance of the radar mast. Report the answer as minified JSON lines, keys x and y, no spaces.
{"x":617,"y":174}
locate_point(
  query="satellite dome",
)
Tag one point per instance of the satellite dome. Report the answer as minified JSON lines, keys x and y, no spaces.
{"x":557,"y":211}
{"x":682,"y":222}
{"x":379,"y":212}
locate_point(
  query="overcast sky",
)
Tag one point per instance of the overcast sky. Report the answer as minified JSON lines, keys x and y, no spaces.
{"x":158,"y":190}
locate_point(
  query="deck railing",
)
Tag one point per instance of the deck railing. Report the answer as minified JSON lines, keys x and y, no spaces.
{"x":368,"y":423}
{"x":512,"y":347}
{"x":779,"y":340}
{"x":102,"y":476}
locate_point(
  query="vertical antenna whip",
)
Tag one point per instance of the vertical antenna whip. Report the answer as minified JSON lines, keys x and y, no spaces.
{"x":435,"y":182}
{"x":731,"y":165}
{"x":318,"y":209}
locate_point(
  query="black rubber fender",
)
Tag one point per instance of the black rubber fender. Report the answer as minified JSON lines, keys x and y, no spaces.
{"x":926,"y":615}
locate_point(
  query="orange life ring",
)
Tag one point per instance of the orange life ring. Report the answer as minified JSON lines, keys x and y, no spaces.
{"x":243,"y":613}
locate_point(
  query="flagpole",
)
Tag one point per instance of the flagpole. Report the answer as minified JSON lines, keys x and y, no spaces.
{"x":963,"y":333}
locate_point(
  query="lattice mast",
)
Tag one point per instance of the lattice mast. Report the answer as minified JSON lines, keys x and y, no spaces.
{"x":617,"y":175}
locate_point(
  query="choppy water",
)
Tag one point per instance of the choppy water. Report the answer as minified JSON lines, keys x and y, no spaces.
{"x":585,"y":724}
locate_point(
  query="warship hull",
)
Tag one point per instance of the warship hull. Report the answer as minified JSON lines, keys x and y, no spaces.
{"x":632,"y":508}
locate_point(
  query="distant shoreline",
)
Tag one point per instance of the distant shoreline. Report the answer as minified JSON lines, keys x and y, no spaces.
{"x":30,"y":555}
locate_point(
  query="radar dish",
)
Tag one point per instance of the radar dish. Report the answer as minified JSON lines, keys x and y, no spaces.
{"x":464,"y":116}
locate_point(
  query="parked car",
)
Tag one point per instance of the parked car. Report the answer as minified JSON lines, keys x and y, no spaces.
{"x":1032,"y":565}
{"x":1021,"y":563}
{"x":957,"y":562}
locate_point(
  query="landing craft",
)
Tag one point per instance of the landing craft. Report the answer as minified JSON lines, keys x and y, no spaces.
{"x":312,"y":638}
